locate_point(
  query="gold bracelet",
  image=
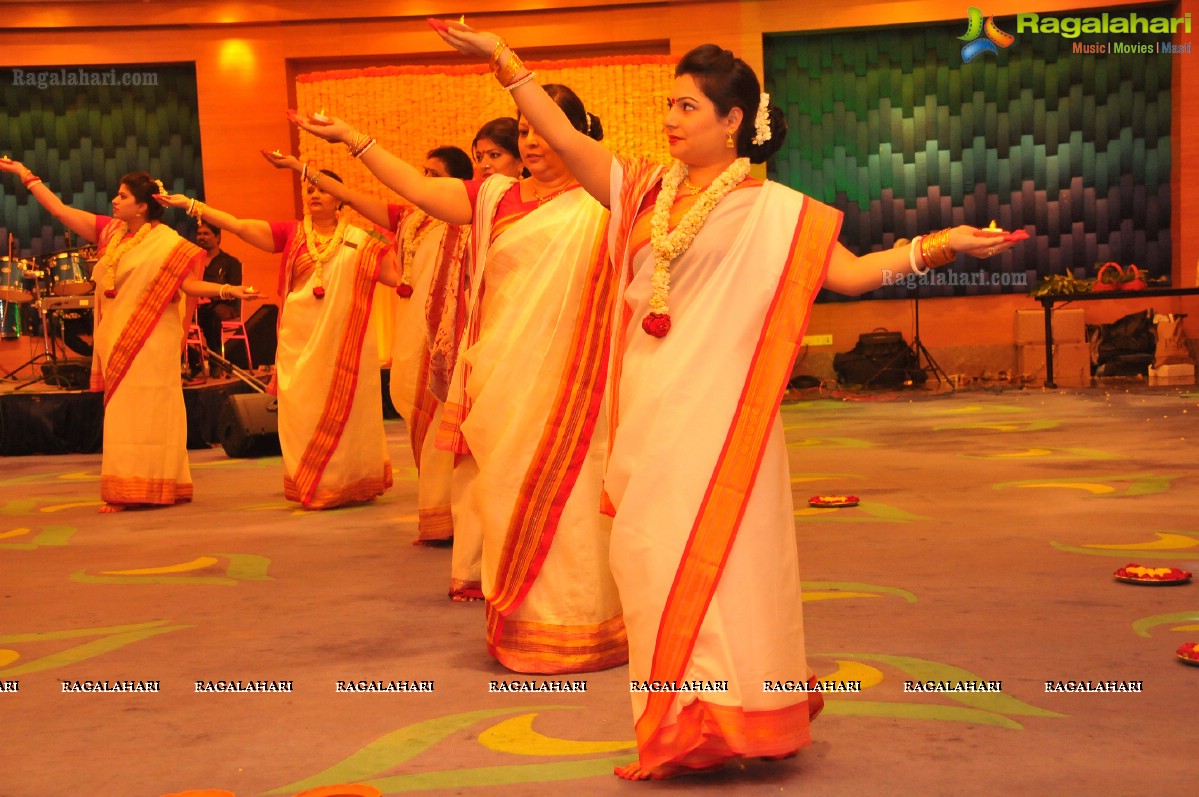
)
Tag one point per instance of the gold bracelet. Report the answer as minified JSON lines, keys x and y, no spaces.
{"x":935,"y":249}
{"x":494,"y":61}
{"x":510,"y":71}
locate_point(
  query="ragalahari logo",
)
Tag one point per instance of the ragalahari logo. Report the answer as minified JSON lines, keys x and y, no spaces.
{"x":993,"y":38}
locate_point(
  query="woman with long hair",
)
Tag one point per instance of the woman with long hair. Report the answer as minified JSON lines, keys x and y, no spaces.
{"x":718,"y":272}
{"x":326,"y":365}
{"x":523,"y":412}
{"x":139,"y":315}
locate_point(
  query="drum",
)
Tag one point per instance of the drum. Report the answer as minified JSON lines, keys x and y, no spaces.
{"x":14,"y":285}
{"x":70,"y":274}
{"x":10,"y":320}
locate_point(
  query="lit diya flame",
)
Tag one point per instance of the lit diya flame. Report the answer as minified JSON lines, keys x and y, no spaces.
{"x":320,"y":117}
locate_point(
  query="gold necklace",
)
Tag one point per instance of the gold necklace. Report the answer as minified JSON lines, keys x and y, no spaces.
{"x":541,"y":200}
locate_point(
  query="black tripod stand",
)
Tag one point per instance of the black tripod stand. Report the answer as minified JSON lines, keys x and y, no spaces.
{"x":48,"y":353}
{"x":924,"y":359}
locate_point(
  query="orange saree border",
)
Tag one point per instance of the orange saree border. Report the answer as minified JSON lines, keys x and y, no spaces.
{"x":435,"y":524}
{"x":135,"y":490}
{"x":640,"y":177}
{"x":564,"y":443}
{"x":323,"y":498}
{"x":724,"y":503}
{"x":712,"y":733}
{"x":344,"y":384}
{"x":162,"y":289}
{"x":549,"y":649}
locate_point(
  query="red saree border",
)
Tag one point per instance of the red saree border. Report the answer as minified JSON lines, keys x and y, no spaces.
{"x":424,"y":410}
{"x":445,"y":308}
{"x":344,"y":385}
{"x":164,"y":286}
{"x":565,"y":441}
{"x":727,"y":495}
{"x":640,"y":177}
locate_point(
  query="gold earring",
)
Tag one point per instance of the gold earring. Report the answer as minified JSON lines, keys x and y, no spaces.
{"x":728,"y":142}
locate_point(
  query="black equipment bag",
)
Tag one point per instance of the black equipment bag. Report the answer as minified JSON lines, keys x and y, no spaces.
{"x":879,"y":359}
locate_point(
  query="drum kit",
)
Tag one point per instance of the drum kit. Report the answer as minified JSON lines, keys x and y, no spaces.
{"x":55,"y":290}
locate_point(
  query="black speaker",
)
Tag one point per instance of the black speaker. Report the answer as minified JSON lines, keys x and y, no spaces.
{"x":70,"y":374}
{"x":261,"y":330}
{"x":249,"y":425}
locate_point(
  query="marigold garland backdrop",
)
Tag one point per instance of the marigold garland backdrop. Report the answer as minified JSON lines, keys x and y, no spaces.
{"x":411,"y":109}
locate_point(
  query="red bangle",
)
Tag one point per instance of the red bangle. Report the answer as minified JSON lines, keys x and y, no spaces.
{"x":30,"y":180}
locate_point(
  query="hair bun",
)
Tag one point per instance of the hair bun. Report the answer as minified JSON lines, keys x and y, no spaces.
{"x":595,"y":128}
{"x":760,"y":153}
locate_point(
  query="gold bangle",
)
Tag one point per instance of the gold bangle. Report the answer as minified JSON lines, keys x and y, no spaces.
{"x":520,"y":81}
{"x":935,"y":249}
{"x":494,"y":61}
{"x":510,"y":71}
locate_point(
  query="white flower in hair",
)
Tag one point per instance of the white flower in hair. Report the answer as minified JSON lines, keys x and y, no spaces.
{"x":762,"y":121}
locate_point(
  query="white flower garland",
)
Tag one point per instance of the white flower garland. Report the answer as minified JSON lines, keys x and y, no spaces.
{"x":762,"y":131}
{"x":320,"y":255}
{"x":409,"y":241}
{"x":667,"y":245}
{"x":117,"y":248}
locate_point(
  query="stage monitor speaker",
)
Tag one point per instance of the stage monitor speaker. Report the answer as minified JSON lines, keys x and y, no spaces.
{"x":69,"y":374}
{"x":261,"y":330}
{"x":249,"y":425}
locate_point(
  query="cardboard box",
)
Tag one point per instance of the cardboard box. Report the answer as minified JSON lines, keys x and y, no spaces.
{"x":1069,"y":326}
{"x":1071,"y":364}
{"x":1173,"y":374}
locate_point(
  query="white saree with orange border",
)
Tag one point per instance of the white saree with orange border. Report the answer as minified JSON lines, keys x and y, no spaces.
{"x":526,"y":404}
{"x":703,"y":542}
{"x":138,"y":342}
{"x":327,"y":375}
{"x":409,"y":387}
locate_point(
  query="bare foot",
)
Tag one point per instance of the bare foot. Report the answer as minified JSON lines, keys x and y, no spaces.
{"x":631,"y":771}
{"x":108,"y":508}
{"x":464,"y":599}
{"x":634,"y":771}
{"x":815,"y":700}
